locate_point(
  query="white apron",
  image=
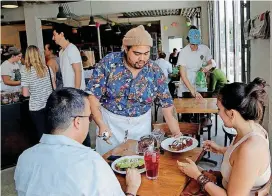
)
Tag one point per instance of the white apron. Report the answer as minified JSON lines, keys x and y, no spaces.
{"x":136,"y":126}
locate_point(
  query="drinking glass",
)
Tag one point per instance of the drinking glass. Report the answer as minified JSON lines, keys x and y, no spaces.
{"x":152,"y":159}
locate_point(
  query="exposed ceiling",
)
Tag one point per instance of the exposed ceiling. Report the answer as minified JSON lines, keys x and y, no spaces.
{"x":186,"y":12}
{"x":152,"y":13}
{"x":190,"y":12}
{"x":139,"y":17}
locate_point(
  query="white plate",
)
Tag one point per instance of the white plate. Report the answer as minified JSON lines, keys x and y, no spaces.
{"x":165,"y":144}
{"x":126,"y":157}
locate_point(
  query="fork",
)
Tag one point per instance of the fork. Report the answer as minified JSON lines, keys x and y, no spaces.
{"x":126,"y":136}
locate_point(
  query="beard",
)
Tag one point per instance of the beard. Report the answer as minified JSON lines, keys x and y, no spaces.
{"x":136,"y":65}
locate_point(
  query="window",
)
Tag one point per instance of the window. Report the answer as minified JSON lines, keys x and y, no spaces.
{"x":229,"y":54}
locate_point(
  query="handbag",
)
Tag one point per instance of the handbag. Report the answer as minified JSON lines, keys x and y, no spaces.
{"x":193,"y":188}
{"x":50,"y":78}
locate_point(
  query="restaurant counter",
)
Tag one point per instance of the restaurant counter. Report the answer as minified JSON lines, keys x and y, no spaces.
{"x":17,"y":132}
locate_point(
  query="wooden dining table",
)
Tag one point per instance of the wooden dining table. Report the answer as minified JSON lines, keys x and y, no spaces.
{"x":192,"y":105}
{"x":171,"y":180}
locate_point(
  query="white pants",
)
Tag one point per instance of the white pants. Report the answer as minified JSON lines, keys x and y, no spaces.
{"x":136,"y":126}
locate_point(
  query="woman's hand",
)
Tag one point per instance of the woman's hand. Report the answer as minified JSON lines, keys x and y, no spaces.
{"x":190,"y":168}
{"x":211,"y":146}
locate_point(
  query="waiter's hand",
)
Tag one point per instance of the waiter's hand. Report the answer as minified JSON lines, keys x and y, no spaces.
{"x":104,"y":130}
{"x":177,"y":135}
{"x":197,"y":95}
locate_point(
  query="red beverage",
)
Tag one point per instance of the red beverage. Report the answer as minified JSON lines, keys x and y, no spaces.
{"x":152,"y":164}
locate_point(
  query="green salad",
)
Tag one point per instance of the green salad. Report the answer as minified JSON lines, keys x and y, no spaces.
{"x":130,"y":163}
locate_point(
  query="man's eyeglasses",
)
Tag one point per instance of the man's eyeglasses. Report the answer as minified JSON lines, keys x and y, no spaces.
{"x":90,"y":117}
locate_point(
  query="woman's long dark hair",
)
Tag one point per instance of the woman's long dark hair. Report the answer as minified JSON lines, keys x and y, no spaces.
{"x":247,"y":99}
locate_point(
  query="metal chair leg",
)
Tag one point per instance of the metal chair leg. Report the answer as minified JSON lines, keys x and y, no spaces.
{"x":226,"y":140}
{"x":216,"y":118}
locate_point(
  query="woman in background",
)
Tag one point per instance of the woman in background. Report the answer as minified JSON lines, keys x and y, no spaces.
{"x":10,"y":70}
{"x":173,"y":58}
{"x":246,"y":164}
{"x":52,"y":60}
{"x":38,"y":82}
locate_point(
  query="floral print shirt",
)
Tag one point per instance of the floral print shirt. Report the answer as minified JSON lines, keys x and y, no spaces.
{"x":113,"y":84}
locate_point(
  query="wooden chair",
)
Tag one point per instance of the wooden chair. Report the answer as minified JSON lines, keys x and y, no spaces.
{"x":265,"y":190}
{"x":191,"y":129}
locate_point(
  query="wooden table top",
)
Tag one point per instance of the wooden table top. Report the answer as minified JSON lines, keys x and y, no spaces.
{"x":170,"y":181}
{"x":192,"y":105}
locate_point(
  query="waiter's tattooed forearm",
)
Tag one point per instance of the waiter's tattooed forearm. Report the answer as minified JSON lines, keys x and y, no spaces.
{"x":174,"y":113}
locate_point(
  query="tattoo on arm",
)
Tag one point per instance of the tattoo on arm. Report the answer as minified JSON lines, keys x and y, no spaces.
{"x":174,"y":113}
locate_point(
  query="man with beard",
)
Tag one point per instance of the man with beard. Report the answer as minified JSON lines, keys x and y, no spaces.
{"x":123,"y":87}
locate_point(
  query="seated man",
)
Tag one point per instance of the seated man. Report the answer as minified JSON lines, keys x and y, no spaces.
{"x":60,"y":164}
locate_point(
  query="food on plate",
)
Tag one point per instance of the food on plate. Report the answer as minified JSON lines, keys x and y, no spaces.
{"x":181,"y":144}
{"x":124,"y":164}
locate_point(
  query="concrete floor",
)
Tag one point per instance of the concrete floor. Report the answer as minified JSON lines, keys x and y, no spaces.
{"x":7,"y":182}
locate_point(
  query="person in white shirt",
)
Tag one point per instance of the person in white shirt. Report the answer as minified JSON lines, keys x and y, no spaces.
{"x":164,"y":65}
{"x":192,"y":58}
{"x":60,"y":165}
{"x":10,"y":70}
{"x":70,"y":59}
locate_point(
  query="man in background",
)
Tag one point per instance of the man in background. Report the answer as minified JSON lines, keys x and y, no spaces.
{"x":70,"y":59}
{"x":167,"y":70}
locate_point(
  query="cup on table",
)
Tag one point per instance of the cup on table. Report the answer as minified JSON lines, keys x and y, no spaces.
{"x":152,"y":159}
{"x":158,"y":135}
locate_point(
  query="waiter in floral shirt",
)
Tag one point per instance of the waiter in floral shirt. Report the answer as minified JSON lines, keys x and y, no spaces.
{"x":123,"y":87}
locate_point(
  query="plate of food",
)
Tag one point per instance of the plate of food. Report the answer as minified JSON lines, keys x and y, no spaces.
{"x":122,"y":164}
{"x":178,"y":145}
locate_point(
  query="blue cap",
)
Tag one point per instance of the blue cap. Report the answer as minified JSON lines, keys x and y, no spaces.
{"x":194,"y":36}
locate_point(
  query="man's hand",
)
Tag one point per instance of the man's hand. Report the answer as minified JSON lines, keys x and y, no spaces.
{"x":133,"y":181}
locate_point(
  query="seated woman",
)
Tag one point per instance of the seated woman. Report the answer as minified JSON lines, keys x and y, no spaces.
{"x":246,"y":164}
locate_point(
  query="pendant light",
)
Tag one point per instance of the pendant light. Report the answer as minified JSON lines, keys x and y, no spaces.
{"x":9,"y":4}
{"x":61,"y":15}
{"x":92,"y":22}
{"x":108,"y":27}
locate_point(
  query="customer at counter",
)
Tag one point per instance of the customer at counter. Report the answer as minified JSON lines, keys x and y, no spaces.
{"x":10,"y":70}
{"x":53,"y":61}
{"x":38,"y":82}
